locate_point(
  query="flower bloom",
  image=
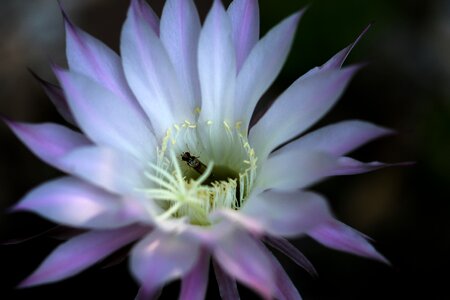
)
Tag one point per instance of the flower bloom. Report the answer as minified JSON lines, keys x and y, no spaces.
{"x":167,"y":159}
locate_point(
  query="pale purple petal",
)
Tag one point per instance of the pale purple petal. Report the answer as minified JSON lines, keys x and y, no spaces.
{"x":300,"y":106}
{"x":350,"y":166}
{"x":162,"y":257}
{"x":262,"y":67}
{"x":194,"y":284}
{"x":288,"y":214}
{"x":94,"y":107}
{"x":180,"y":30}
{"x":285,"y":247}
{"x":337,"y":235}
{"x":286,"y":289}
{"x":217,"y":66}
{"x":227,"y":285}
{"x":48,"y":141}
{"x":144,"y":294}
{"x":56,"y":95}
{"x":244,"y":16}
{"x":104,"y":167}
{"x":75,"y":203}
{"x":148,"y":14}
{"x":339,"y":58}
{"x":150,"y":73}
{"x":90,"y":57}
{"x":339,"y":138}
{"x":81,"y":252}
{"x":289,"y":170}
{"x":242,"y":258}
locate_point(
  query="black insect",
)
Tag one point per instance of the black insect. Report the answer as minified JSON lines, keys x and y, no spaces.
{"x":193,"y":162}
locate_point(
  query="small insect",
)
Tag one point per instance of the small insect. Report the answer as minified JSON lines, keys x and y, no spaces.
{"x":193,"y":162}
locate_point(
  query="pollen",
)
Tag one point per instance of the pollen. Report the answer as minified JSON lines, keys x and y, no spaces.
{"x":191,"y":180}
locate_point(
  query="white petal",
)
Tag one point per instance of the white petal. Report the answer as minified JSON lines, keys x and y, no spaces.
{"x":300,"y":106}
{"x":72,"y":202}
{"x":150,"y":73}
{"x":180,"y":30}
{"x":244,"y":16}
{"x":160,"y":258}
{"x":106,"y":168}
{"x":105,"y":118}
{"x":242,"y":258}
{"x":294,"y":169}
{"x":287,"y":214}
{"x":217,"y":66}
{"x":339,"y":138}
{"x":263,"y":66}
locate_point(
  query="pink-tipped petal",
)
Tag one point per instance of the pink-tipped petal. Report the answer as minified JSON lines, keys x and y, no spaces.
{"x":289,"y":170}
{"x":286,"y":289}
{"x":180,"y":30}
{"x":104,"y":167}
{"x":48,"y":141}
{"x":216,"y":66}
{"x":350,"y":166}
{"x":150,"y":73}
{"x":339,"y":138}
{"x":300,"y":106}
{"x":227,"y":285}
{"x":285,"y":247}
{"x":194,"y":284}
{"x":262,"y":67}
{"x":337,"y":235}
{"x":75,"y":203}
{"x":162,"y":257}
{"x":288,"y":214}
{"x":339,"y":58}
{"x":244,"y":16}
{"x":81,"y":252}
{"x":94,"y":106}
{"x":56,"y":95}
{"x":242,"y":258}
{"x":89,"y":56}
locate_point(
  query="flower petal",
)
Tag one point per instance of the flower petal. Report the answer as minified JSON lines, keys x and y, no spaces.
{"x":337,"y":235}
{"x":180,"y":30}
{"x":286,"y":289}
{"x":287,"y":214}
{"x":289,"y":170}
{"x":339,"y":138}
{"x":301,"y":105}
{"x":90,"y":57}
{"x":106,"y":168}
{"x":217,"y":66}
{"x":150,"y":73}
{"x":81,"y":252}
{"x":339,"y":58}
{"x":244,"y":16}
{"x":285,"y":247}
{"x":227,"y":285}
{"x":242,"y":258}
{"x":194,"y":284}
{"x":160,"y":258}
{"x":56,"y":95}
{"x":75,"y":203}
{"x":94,"y":107}
{"x":48,"y":141}
{"x":262,"y":67}
{"x":350,"y":166}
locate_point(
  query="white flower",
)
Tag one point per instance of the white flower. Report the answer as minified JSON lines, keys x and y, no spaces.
{"x":166,"y":156}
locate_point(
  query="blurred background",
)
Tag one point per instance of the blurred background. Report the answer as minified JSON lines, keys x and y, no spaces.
{"x":405,"y":86}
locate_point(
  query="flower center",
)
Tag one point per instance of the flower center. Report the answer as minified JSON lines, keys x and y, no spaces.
{"x":201,"y":168}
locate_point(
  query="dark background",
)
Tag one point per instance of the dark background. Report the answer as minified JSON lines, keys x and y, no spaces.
{"x":405,"y":86}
